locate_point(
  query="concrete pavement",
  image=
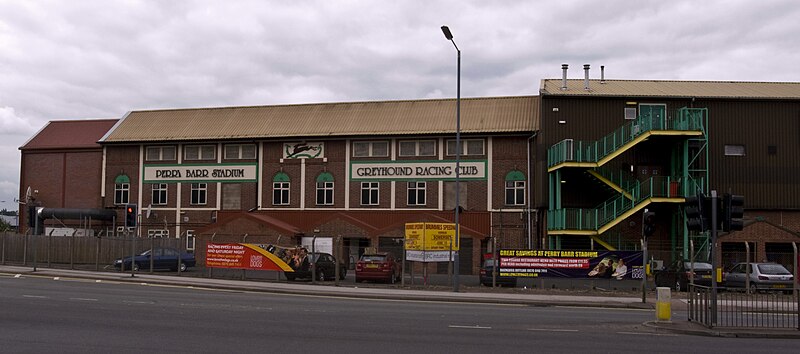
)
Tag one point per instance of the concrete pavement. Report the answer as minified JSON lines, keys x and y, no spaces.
{"x":471,"y":294}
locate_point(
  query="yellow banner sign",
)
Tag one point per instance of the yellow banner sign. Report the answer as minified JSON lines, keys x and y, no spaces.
{"x":431,"y":236}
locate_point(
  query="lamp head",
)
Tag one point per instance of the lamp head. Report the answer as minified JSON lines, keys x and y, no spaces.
{"x":447,"y":33}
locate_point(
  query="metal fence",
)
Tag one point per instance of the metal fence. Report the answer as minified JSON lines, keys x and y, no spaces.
{"x":740,"y":309}
{"x":75,"y":252}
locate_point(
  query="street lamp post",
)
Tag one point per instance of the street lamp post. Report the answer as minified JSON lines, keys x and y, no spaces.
{"x":449,"y":36}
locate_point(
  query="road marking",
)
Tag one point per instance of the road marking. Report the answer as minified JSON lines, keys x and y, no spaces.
{"x":469,"y":327}
{"x":605,"y":308}
{"x":650,"y":334}
{"x":18,"y":275}
{"x":35,"y":296}
{"x":82,"y":299}
{"x":552,"y":330}
{"x":138,"y":302}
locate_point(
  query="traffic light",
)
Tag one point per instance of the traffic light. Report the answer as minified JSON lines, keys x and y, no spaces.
{"x":649,"y":223}
{"x":732,"y":212}
{"x":130,"y":215}
{"x":697,"y":215}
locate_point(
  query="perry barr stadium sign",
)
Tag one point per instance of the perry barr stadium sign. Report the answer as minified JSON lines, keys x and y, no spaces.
{"x":417,"y":171}
{"x":200,"y":173}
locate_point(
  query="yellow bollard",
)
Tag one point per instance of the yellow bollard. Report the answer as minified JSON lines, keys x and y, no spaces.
{"x":663,"y":304}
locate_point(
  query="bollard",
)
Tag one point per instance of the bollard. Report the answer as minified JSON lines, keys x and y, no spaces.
{"x":663,"y":304}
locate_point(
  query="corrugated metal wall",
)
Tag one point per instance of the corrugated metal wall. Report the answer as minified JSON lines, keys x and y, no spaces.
{"x":768,"y":175}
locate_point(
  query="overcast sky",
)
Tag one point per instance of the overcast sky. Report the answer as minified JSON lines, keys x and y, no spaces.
{"x":87,"y":59}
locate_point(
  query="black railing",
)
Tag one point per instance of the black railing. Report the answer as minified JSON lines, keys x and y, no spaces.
{"x":739,"y":309}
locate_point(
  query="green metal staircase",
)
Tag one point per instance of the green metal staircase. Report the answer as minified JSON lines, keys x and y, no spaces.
{"x":688,"y":175}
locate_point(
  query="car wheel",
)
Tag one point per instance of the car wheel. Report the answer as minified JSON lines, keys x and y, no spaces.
{"x":321,"y":275}
{"x":392,"y":279}
{"x":342,"y":274}
{"x":677,"y":286}
{"x":183,"y":267}
{"x":136,"y":267}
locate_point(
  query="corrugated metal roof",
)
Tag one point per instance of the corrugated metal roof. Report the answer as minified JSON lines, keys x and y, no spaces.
{"x":73,"y":134}
{"x":478,"y":115}
{"x":648,"y":88}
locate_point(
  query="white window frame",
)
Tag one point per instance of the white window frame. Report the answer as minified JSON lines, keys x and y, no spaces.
{"x":159,"y":190}
{"x":417,"y":144}
{"x":283,"y":191}
{"x":370,"y":148}
{"x":122,"y":193}
{"x":515,"y":187}
{"x":417,"y":190}
{"x":327,"y":188}
{"x":465,"y":147}
{"x":160,"y":153}
{"x":199,"y":152}
{"x":200,"y":190}
{"x":238,"y":152}
{"x":372,"y":189}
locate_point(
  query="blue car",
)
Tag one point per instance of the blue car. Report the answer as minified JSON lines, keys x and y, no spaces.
{"x":162,"y":258}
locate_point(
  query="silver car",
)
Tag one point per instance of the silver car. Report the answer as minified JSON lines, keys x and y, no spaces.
{"x":763,"y":276}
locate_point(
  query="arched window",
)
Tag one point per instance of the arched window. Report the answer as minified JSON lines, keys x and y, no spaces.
{"x":122,"y":189}
{"x":280,"y":189}
{"x":515,"y":188}
{"x":325,"y":189}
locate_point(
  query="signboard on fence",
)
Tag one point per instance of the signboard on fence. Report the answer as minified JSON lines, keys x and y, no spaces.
{"x":431,"y":242}
{"x":571,"y":264}
{"x":243,"y":256}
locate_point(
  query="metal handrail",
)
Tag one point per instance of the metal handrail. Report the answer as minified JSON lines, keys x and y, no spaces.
{"x":569,"y":150}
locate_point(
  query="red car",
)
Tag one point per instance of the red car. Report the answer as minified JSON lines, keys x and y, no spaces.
{"x":378,"y":266}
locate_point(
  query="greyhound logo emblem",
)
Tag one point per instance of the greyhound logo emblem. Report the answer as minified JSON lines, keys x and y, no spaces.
{"x":302,"y":150}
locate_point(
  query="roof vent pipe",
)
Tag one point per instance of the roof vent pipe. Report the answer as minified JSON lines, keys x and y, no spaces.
{"x":564,"y":68}
{"x":586,"y":77}
{"x":602,"y":74}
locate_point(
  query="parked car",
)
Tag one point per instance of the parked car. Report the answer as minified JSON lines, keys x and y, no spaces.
{"x":678,"y":275}
{"x":162,"y":258}
{"x":486,"y":275}
{"x":378,"y":266}
{"x":324,"y":263}
{"x":763,"y":276}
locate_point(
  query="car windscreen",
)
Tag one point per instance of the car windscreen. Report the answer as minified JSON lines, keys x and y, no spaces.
{"x":772,"y":269}
{"x":373,"y":258}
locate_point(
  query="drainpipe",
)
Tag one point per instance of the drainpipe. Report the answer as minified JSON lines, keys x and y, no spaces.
{"x":530,"y":187}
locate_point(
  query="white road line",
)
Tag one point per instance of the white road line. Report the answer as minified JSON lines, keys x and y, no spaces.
{"x":469,"y":327}
{"x":35,"y":296}
{"x":138,"y":302}
{"x":82,"y":299}
{"x":650,"y":334}
{"x":552,"y":330}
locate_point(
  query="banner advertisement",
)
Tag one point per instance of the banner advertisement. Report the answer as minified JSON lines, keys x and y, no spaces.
{"x":571,"y":264}
{"x":243,"y":256}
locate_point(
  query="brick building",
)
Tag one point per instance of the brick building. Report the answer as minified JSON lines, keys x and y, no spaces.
{"x":571,"y":168}
{"x":278,"y":174}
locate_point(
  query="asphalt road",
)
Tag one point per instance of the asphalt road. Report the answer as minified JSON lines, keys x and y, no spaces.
{"x":40,"y":314}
